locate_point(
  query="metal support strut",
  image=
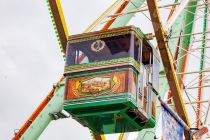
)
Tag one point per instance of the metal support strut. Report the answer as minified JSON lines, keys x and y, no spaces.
{"x":168,"y":63}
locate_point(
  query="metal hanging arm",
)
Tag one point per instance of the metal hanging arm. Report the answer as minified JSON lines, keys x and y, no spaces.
{"x":61,"y":30}
{"x":166,"y":106}
{"x":168,"y":64}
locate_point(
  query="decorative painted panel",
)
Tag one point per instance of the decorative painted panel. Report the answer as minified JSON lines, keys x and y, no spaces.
{"x":101,"y":84}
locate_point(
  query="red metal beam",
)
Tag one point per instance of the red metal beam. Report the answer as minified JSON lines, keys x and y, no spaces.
{"x":119,"y":10}
{"x":36,"y":113}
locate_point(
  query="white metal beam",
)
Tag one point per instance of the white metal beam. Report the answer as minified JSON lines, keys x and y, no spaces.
{"x":176,"y":14}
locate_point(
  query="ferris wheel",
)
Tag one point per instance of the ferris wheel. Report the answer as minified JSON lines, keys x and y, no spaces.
{"x":135,"y":59}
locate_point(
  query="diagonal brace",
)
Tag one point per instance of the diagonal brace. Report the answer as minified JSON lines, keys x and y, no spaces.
{"x":168,"y":64}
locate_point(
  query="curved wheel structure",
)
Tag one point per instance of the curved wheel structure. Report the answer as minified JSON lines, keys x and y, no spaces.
{"x":185,"y":33}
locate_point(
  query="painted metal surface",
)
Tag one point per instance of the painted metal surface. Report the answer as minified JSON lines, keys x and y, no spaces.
{"x":123,"y":20}
{"x":110,"y":93}
{"x":61,"y":32}
{"x":100,"y":84}
{"x":176,"y":14}
{"x":185,"y":41}
{"x":175,"y":30}
{"x":102,"y":64}
{"x":119,"y":10}
{"x":163,"y":82}
{"x":41,"y":117}
{"x":57,"y":17}
{"x":168,"y":63}
{"x":98,"y":21}
{"x":201,"y":66}
{"x":44,"y":117}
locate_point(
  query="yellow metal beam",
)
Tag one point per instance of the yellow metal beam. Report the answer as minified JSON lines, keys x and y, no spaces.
{"x":168,"y":64}
{"x":59,"y":22}
{"x":98,"y":136}
{"x":121,"y":136}
{"x":103,"y":16}
{"x":91,"y":28}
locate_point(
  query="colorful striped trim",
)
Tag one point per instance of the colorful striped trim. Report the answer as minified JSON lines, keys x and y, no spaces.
{"x":107,"y":63}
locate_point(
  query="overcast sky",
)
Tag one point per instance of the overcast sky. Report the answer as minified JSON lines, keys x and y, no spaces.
{"x":31,"y":61}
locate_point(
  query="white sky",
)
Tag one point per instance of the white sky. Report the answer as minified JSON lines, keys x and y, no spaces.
{"x":31,"y":61}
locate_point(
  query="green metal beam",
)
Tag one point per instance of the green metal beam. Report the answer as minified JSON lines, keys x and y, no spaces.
{"x":202,"y":65}
{"x":168,"y":63}
{"x":56,"y":101}
{"x":123,"y":20}
{"x":45,"y":117}
{"x":176,"y":28}
{"x":189,"y":16}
